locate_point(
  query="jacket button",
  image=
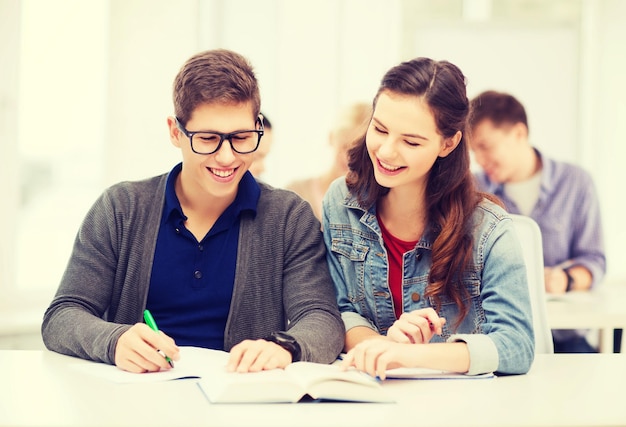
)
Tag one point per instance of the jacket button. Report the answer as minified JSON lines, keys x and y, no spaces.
{"x":415,"y":297}
{"x":197,"y":274}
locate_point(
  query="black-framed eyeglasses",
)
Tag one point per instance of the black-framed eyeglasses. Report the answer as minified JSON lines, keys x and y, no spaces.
{"x":242,"y":141}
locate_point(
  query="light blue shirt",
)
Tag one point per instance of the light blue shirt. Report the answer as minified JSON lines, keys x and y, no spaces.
{"x":568,"y":215}
{"x":498,"y":328}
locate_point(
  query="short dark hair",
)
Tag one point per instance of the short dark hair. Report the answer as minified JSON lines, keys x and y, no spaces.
{"x":215,"y":76}
{"x":499,"y":107}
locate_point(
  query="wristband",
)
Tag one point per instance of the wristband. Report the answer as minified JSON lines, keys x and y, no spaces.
{"x":570,"y":280}
{"x":287,"y":342}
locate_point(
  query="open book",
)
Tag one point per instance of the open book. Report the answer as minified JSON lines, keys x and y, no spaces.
{"x":297,"y":381}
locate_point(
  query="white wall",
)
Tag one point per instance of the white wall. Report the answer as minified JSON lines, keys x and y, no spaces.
{"x":9,"y":51}
{"x":311,"y":58}
{"x":148,"y":41}
{"x":606,"y":144}
{"x":60,"y":131}
{"x":520,"y":60}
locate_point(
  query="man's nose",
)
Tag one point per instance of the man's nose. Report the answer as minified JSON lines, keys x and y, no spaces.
{"x":225,"y":154}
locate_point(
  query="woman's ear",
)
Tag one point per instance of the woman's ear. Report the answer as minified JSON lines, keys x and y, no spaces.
{"x":449,"y":144}
{"x":173,"y":131}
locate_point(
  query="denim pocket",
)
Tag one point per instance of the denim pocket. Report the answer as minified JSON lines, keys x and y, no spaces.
{"x":352,"y":259}
{"x":352,"y":251}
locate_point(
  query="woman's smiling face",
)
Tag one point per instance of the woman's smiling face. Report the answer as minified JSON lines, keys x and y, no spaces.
{"x":403,"y":141}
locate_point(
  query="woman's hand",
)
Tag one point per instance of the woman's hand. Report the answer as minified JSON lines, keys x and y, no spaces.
{"x":416,"y":327}
{"x":376,"y":355}
{"x":140,"y":349}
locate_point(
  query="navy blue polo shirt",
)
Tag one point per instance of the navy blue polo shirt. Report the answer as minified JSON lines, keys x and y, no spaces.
{"x":192,"y":282}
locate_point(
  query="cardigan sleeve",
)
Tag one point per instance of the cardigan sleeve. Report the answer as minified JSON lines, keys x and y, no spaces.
{"x":73,"y":324}
{"x":104,"y":287}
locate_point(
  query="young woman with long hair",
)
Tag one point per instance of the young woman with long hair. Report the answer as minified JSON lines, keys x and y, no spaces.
{"x":428,"y":271}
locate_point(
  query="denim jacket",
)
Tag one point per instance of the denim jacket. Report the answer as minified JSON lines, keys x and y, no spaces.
{"x":498,"y":328}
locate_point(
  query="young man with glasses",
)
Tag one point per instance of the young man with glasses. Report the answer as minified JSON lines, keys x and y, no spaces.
{"x":220,"y":260}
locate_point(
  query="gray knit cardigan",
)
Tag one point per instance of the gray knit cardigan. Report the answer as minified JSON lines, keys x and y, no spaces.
{"x":281,"y":281}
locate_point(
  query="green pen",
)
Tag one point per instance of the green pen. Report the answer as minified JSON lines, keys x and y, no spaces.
{"x":150,"y":322}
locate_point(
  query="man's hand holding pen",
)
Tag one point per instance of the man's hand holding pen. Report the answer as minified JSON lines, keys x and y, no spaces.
{"x":142,"y":349}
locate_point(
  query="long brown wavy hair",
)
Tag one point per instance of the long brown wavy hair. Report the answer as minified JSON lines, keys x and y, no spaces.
{"x":451,"y":195}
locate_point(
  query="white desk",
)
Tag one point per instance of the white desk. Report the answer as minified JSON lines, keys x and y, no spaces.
{"x":40,"y":388}
{"x":603,"y":308}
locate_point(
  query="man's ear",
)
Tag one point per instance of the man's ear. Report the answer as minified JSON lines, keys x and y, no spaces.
{"x":449,"y":144}
{"x":174,"y":131}
{"x":520,"y":131}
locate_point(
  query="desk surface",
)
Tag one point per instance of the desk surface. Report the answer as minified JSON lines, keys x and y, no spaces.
{"x":41,"y":388}
{"x":604,"y":307}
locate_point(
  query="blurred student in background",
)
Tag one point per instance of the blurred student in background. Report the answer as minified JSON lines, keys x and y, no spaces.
{"x":559,"y":196}
{"x":428,"y":271}
{"x":349,"y":125}
{"x":258,"y":164}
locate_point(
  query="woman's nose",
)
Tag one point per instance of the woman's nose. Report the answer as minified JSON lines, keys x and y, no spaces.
{"x":387,"y":147}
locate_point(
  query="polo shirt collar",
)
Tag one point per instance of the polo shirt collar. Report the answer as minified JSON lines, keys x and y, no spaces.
{"x":247,"y":197}
{"x":547,"y":173}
